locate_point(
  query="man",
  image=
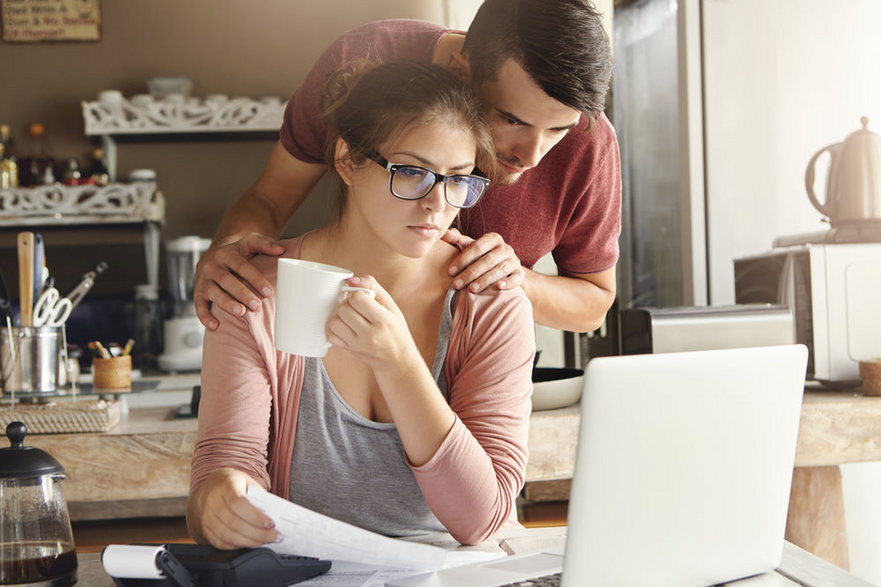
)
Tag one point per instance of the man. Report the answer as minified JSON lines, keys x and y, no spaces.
{"x":542,"y":70}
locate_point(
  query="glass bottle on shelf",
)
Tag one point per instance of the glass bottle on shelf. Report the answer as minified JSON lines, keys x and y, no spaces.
{"x":72,"y":175}
{"x":8,"y":170}
{"x":36,"y":166}
{"x":97,"y":173}
{"x":6,"y":140}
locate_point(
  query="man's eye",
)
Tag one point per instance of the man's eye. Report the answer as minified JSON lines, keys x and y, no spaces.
{"x":509,"y":120}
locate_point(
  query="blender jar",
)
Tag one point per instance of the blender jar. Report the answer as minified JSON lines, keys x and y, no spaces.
{"x":36,"y":540}
{"x":183,"y":255}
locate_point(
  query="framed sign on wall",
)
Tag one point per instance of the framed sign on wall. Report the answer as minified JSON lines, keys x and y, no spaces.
{"x":34,"y":21}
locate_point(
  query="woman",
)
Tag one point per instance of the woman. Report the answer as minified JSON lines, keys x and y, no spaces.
{"x":417,"y":418}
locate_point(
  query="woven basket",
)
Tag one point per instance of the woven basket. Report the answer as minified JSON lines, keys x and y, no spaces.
{"x":64,"y":417}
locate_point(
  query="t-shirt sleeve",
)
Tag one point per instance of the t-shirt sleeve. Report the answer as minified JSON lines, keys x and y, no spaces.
{"x":472,"y":482}
{"x":589,"y":240}
{"x":303,"y":132}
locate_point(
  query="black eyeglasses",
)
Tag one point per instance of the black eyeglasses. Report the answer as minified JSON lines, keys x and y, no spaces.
{"x":411,"y":182}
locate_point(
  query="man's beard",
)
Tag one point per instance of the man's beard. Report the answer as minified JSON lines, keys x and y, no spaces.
{"x":499,"y":176}
{"x":507,"y":178}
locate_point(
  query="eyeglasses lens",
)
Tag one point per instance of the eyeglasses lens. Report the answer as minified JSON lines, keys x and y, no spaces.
{"x":412,"y":182}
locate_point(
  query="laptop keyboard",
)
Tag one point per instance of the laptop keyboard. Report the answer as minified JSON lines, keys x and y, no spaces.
{"x":544,"y":581}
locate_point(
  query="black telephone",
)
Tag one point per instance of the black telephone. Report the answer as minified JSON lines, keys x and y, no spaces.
{"x":202,"y":565}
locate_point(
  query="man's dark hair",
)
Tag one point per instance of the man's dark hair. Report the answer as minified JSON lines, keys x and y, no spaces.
{"x":561,"y":44}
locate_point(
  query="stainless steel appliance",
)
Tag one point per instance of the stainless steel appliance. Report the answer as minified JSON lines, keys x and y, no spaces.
{"x":833,"y":290}
{"x":669,"y":330}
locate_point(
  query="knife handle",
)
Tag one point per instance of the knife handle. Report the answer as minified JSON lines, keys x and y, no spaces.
{"x":26,"y":277}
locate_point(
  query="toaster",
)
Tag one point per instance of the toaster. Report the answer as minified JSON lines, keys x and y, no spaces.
{"x":695,"y":328}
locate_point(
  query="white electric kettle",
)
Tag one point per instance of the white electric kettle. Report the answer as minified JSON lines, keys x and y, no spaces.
{"x":853,"y":184}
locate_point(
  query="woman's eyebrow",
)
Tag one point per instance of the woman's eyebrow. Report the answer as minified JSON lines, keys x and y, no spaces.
{"x":429,"y":164}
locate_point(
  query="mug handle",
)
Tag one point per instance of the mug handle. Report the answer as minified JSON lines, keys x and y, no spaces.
{"x":369,"y":292}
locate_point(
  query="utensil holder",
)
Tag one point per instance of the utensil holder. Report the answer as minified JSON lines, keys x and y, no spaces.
{"x":114,"y":373}
{"x":30,"y":359}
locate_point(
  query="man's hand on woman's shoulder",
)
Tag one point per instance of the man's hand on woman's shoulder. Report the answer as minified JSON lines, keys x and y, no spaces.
{"x":485,"y":262}
{"x":225,"y":276}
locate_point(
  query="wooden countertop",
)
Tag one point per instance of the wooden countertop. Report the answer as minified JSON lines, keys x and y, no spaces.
{"x":147,"y":457}
{"x":838,"y":427}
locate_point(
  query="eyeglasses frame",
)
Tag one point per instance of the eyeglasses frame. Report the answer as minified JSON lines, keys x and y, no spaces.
{"x":393,"y":168}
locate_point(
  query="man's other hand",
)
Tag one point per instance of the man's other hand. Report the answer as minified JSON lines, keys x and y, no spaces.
{"x":484,"y":262}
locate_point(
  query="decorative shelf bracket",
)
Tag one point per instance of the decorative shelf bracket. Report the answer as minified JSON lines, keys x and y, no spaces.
{"x":116,"y":203}
{"x":146,"y":115}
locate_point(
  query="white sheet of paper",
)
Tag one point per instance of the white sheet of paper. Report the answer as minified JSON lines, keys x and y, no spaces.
{"x":309,"y":533}
{"x":458,"y":554}
{"x":346,"y":574}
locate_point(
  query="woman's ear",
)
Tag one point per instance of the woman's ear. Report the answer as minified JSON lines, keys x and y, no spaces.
{"x":342,"y":161}
{"x":460,"y":66}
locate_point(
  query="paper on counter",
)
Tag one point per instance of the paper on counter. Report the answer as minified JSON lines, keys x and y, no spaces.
{"x":459,"y":554}
{"x":551,"y":540}
{"x":346,"y":574}
{"x":309,"y":533}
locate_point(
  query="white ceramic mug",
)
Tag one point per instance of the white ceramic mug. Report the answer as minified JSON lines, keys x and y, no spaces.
{"x":142,"y":100}
{"x":307,"y":293}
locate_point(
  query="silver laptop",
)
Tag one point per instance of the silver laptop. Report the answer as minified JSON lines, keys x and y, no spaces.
{"x":682,"y":473}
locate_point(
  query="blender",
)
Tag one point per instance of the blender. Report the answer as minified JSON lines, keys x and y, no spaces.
{"x":183,"y":332}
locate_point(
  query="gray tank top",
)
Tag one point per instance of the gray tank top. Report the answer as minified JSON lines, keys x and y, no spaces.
{"x":353,"y":469}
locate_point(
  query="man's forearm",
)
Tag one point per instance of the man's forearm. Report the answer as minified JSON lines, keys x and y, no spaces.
{"x":569,"y":303}
{"x":268,"y":204}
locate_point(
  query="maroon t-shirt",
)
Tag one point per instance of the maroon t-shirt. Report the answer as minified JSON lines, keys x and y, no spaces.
{"x":570,"y":204}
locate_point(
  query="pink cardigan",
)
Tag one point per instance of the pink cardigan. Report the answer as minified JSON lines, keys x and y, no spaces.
{"x":251,"y":396}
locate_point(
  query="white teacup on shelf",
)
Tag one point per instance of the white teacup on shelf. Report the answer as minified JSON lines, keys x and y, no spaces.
{"x":142,"y":100}
{"x":216,"y":100}
{"x":162,"y":87}
{"x":110,"y":97}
